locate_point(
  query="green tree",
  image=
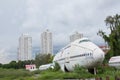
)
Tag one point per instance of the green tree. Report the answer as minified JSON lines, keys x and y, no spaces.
{"x":17,"y":65}
{"x":0,"y":65}
{"x":113,"y":39}
{"x":13,"y":64}
{"x":21,"y":64}
{"x":41,"y":59}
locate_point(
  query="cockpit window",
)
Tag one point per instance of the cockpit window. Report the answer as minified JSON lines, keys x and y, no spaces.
{"x":86,"y":40}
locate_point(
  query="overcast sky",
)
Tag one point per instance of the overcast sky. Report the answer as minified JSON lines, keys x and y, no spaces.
{"x":61,"y":17}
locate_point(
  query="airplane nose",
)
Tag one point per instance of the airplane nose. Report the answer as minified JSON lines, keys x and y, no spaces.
{"x":98,"y":55}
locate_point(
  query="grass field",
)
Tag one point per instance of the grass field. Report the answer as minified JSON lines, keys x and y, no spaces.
{"x":21,"y":74}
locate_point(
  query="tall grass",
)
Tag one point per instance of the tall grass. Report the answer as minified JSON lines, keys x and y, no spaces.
{"x":78,"y":73}
{"x":10,"y":74}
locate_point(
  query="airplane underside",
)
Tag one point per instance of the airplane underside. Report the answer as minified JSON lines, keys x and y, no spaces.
{"x":65,"y":69}
{"x":90,"y":70}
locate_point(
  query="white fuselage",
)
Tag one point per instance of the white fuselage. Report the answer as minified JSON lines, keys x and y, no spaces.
{"x":114,"y":62}
{"x":81,"y":52}
{"x":46,"y":66}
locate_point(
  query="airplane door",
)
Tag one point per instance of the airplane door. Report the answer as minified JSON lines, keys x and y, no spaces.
{"x":89,"y":58}
{"x":67,"y":61}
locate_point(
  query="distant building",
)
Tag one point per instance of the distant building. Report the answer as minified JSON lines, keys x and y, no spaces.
{"x":31,"y":67}
{"x":75,"y":36}
{"x":46,"y":42}
{"x":25,"y":47}
{"x":105,"y":48}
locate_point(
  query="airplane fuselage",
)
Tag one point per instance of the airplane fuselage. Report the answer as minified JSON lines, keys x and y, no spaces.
{"x":81,"y":52}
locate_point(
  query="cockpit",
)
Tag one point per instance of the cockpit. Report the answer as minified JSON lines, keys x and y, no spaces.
{"x":85,"y":40}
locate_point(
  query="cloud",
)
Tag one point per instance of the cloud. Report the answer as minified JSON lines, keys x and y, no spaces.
{"x":61,"y":17}
{"x":67,"y":16}
{"x":6,"y":56}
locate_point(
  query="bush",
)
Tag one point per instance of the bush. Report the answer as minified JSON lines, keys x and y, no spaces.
{"x":79,"y":70}
{"x":56,"y":67}
{"x":13,"y":73}
{"x":36,"y":72}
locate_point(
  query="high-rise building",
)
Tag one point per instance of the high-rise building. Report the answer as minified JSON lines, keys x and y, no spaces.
{"x":25,"y":47}
{"x":46,"y":42}
{"x":75,"y":36}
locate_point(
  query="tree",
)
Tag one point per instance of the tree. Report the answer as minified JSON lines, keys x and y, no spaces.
{"x":17,"y":65}
{"x":41,"y":59}
{"x":0,"y":65}
{"x":13,"y":64}
{"x":113,"y":39}
{"x":21,"y":64}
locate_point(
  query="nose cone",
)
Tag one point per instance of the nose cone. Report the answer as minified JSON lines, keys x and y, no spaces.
{"x":98,"y":55}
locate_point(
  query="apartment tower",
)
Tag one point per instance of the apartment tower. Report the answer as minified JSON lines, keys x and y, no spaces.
{"x":25,"y":47}
{"x":75,"y":36}
{"x":46,"y":42}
